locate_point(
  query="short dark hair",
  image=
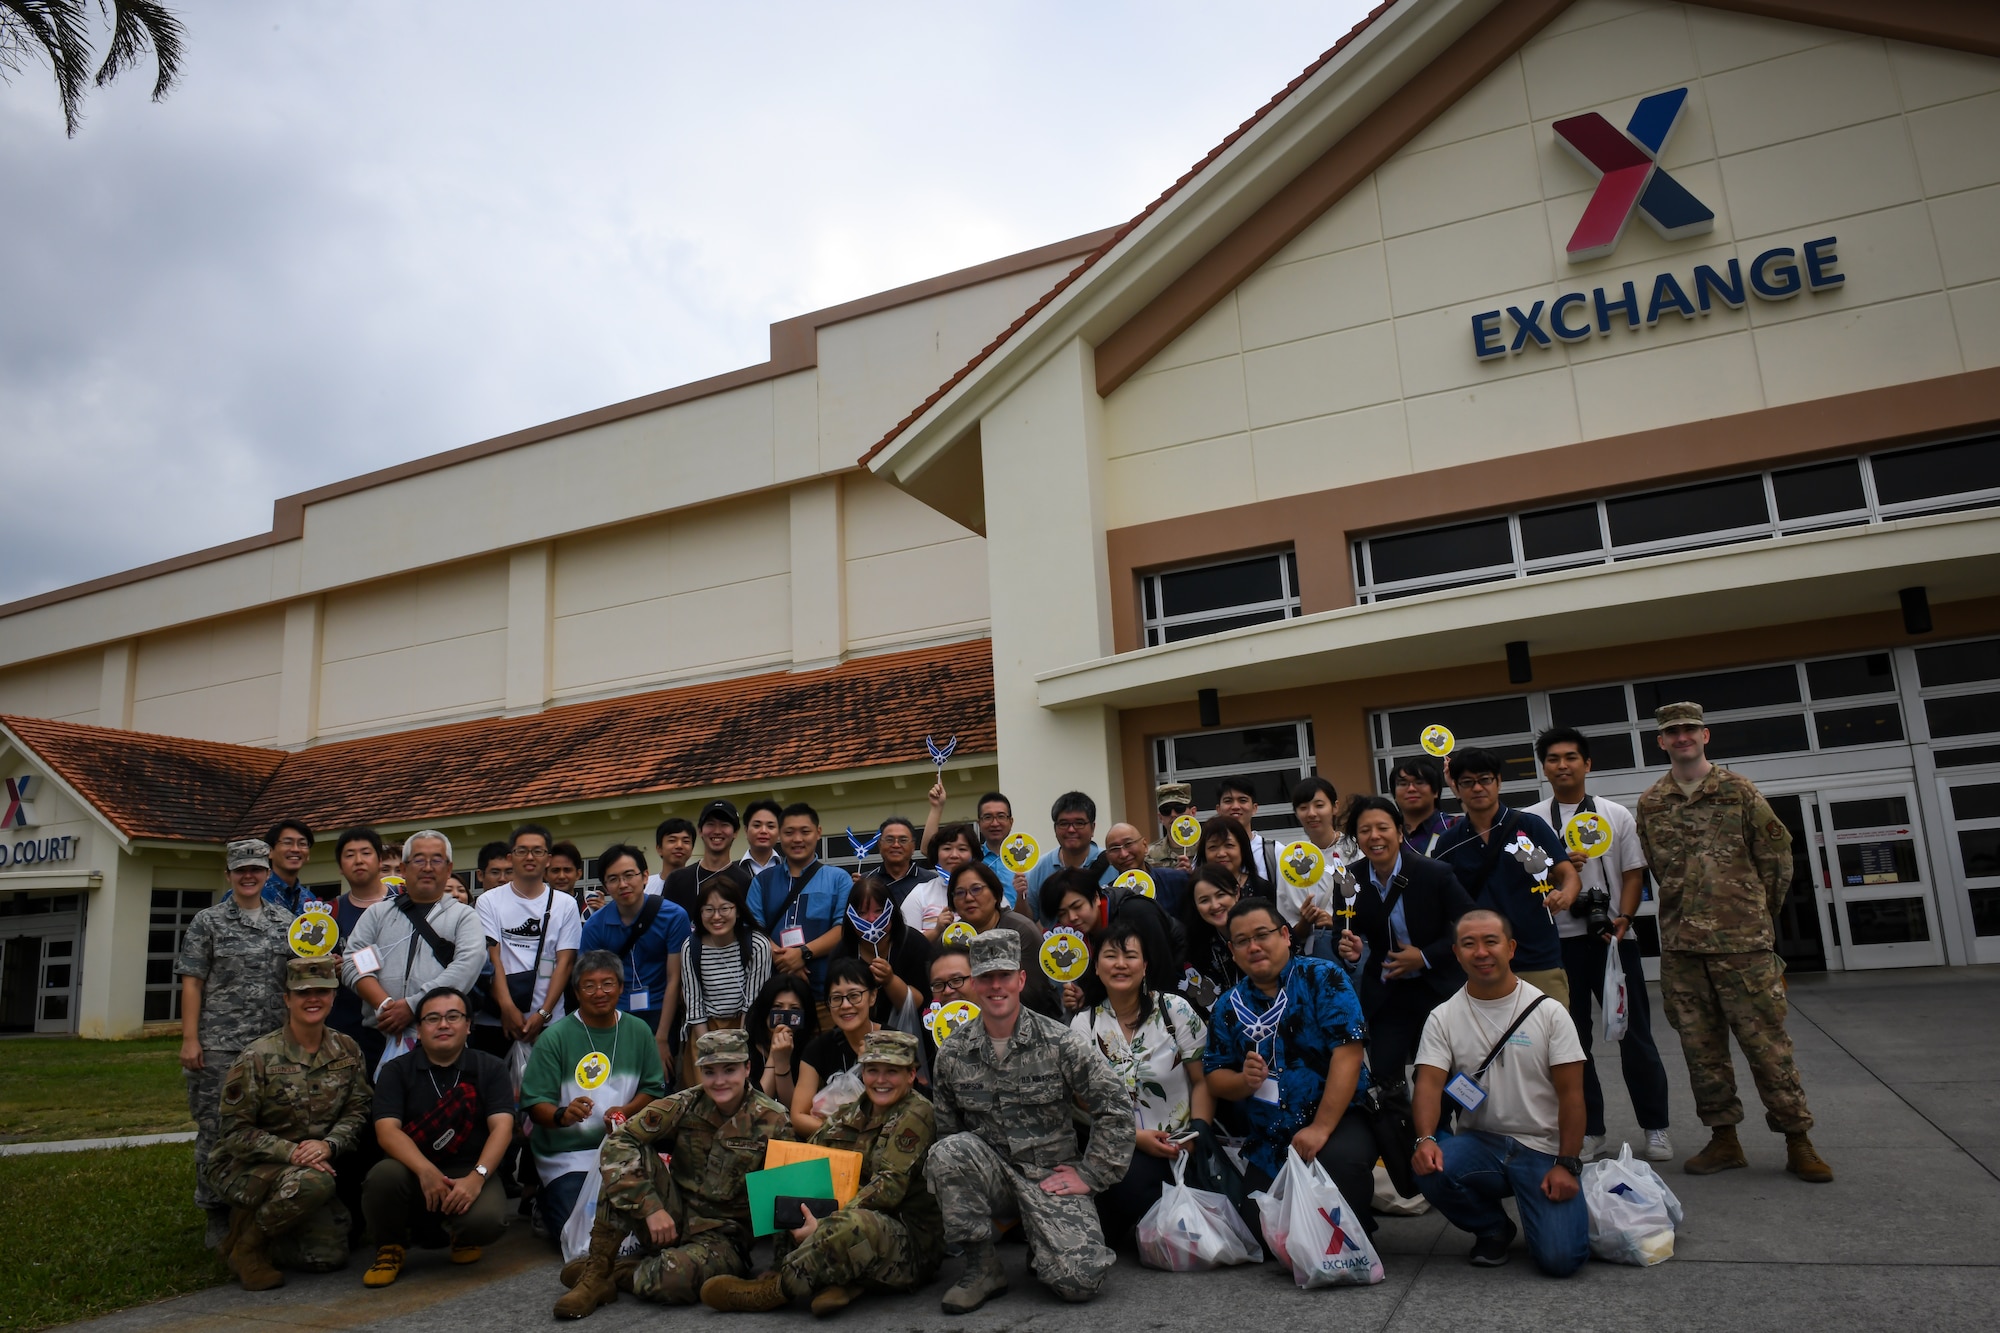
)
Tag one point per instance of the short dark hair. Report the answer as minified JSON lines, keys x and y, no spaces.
{"x":767,"y":805}
{"x":601,"y":960}
{"x":367,"y":835}
{"x":1421,"y":767}
{"x":442,"y":993}
{"x":1049,"y":897}
{"x":568,"y":851}
{"x":1506,"y":926}
{"x":674,"y":825}
{"x":1245,"y":906}
{"x":1236,"y":782}
{"x":492,"y":852}
{"x":978,"y":867}
{"x":277,"y":831}
{"x":968,"y":833}
{"x":850,"y":968}
{"x":1363,"y":804}
{"x":1474,"y":761}
{"x":548,"y":838}
{"x":1555,"y":736}
{"x":1307,"y":788}
{"x":618,"y":851}
{"x":991,"y":797}
{"x":950,"y":951}
{"x":798,"y":810}
{"x":1073,"y":803}
{"x":897,"y":819}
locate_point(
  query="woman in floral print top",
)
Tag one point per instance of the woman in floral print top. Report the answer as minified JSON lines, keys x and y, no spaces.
{"x":1154,"y":1042}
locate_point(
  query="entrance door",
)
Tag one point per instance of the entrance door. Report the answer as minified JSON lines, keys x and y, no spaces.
{"x":1971,"y":801}
{"x":1883,"y":907}
{"x":55,"y":995}
{"x":20,"y":982}
{"x":1801,"y":942}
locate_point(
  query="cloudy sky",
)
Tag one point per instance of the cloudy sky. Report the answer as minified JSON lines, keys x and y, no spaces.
{"x":365,"y":232}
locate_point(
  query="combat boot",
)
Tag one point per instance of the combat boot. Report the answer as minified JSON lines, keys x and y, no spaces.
{"x":247,"y":1256}
{"x":1804,"y":1161}
{"x":388,"y":1266}
{"x":1723,"y":1153}
{"x":745,"y":1293}
{"x":621,"y":1275}
{"x":982,"y":1279}
{"x":593,"y":1285}
{"x":835,"y":1298}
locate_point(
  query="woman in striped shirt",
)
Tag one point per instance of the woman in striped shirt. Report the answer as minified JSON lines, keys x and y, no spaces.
{"x":724,"y":963}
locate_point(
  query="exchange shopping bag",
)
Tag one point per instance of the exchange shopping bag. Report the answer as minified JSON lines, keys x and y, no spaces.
{"x":1307,"y":1222}
{"x":1616,"y":1016}
{"x":1191,"y":1230}
{"x":1632,"y":1212}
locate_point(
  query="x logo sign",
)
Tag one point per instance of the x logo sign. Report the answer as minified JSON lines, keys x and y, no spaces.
{"x":19,"y":813}
{"x":1339,"y":1240}
{"x":1630,"y":176}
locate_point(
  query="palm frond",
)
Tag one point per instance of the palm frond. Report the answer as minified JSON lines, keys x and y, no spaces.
{"x":54,"y":31}
{"x":136,"y":26}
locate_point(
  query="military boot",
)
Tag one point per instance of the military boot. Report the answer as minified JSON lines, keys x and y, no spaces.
{"x":621,"y":1274}
{"x":1723,"y":1153}
{"x":745,"y":1293}
{"x":1804,"y":1161}
{"x":248,"y":1256}
{"x":835,"y":1298}
{"x":982,"y":1279}
{"x":593,"y":1285}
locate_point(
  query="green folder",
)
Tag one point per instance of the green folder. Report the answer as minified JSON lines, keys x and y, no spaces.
{"x":806,"y":1180}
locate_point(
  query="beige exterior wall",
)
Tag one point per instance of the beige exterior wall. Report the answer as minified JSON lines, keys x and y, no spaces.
{"x":1348,"y":356}
{"x":428,"y":645}
{"x":66,"y":688}
{"x":218,"y":680}
{"x":911,"y":572}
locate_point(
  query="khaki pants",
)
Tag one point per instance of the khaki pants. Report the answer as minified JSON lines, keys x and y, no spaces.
{"x":1552,"y":982}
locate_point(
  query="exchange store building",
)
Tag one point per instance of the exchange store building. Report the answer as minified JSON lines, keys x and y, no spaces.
{"x":1522,"y":362}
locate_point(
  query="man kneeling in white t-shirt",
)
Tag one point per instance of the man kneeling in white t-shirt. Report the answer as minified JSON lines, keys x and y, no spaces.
{"x":1508,"y":1059}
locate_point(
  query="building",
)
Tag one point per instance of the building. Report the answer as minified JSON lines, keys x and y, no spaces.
{"x":1389,"y":412}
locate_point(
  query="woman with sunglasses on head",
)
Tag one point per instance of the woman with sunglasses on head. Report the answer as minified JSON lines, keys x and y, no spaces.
{"x":724,"y":964}
{"x":784,"y":1018}
{"x":975,"y":897}
{"x":850,"y":996}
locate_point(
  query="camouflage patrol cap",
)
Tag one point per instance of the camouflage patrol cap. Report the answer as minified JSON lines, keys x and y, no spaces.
{"x":248,"y":852}
{"x":1678,"y":715}
{"x":889,"y":1048}
{"x":995,"y":951}
{"x":313,"y":974}
{"x":1173,"y":793}
{"x":729,"y":1046}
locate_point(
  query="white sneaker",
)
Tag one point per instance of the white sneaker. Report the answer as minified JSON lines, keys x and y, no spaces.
{"x":1593,"y":1147}
{"x":1659,"y":1148}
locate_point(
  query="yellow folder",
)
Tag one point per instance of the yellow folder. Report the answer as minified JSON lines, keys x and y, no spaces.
{"x":845,"y":1165}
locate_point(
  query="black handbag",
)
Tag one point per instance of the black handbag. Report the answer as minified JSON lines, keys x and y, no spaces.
{"x":1386,"y":1106}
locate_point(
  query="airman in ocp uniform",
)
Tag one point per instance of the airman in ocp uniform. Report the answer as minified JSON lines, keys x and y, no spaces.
{"x":1172,"y":799}
{"x":1723,"y":860}
{"x":692,"y":1218}
{"x":293,"y":1102}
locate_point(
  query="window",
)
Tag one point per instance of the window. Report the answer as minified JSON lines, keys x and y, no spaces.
{"x":1209,"y":599}
{"x":1932,"y":478}
{"x":1960,"y":684}
{"x":172,"y":911}
{"x":1274,"y":757}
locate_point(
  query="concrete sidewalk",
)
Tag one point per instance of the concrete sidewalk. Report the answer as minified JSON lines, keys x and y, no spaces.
{"x":1903,"y":1073}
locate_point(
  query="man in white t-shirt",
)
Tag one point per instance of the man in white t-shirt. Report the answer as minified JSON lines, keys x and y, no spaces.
{"x":1506,"y":1056}
{"x":530,"y":928}
{"x":1619,"y":875}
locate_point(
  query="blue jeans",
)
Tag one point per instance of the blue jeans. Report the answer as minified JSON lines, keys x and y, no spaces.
{"x":1481,"y":1169}
{"x":557,"y":1201}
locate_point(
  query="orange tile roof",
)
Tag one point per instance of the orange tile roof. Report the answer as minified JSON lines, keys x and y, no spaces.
{"x":783,"y":725}
{"x":1111,"y":242}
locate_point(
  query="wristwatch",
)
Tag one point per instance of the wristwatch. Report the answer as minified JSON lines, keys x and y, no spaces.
{"x":806,"y":952}
{"x":479,"y":1170}
{"x":1573,"y":1165}
{"x":542,"y":1014}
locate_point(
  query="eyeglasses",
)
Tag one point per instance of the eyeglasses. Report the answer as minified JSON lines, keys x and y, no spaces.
{"x":1074,"y":824}
{"x":1254,"y":937}
{"x":1476,"y":780}
{"x":718,"y":909}
{"x":439,"y":1020}
{"x":628,"y":877}
{"x":606,"y":987}
{"x":528,"y":851}
{"x":946,"y":985}
{"x":1124,"y":843}
{"x":847,"y":999}
{"x":429,"y":860}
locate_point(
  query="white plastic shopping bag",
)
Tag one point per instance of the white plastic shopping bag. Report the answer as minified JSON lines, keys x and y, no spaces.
{"x":1616,"y":1016}
{"x":576,"y":1231}
{"x":1632,"y":1212}
{"x":1191,"y":1230}
{"x":841,"y":1089}
{"x":1306,"y":1220}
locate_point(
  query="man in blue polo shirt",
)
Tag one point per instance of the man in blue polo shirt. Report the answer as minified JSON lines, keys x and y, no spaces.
{"x":996,"y":820}
{"x":1482,"y":849}
{"x":646,"y":932}
{"x":1285,"y":1044}
{"x":1075,"y":818}
{"x":801,"y":903}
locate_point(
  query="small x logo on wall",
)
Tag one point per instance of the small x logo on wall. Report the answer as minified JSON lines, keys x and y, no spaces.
{"x":1630,"y":176}
{"x":20,"y":812}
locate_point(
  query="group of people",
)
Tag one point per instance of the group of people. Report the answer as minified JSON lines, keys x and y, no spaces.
{"x":1233,"y":1007}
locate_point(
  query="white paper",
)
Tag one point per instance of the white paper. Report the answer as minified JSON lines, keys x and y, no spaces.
{"x":366,"y":961}
{"x":792,"y":937}
{"x":1267,"y":1091}
{"x":1465,"y":1092}
{"x":636,"y":1001}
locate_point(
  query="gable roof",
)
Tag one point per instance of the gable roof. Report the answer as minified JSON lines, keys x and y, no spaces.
{"x":866,"y":713}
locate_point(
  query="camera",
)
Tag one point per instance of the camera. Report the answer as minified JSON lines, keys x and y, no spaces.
{"x":1594,"y":906}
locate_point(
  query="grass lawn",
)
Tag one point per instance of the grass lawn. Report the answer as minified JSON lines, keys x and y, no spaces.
{"x":119,"y":1228}
{"x":68,"y":1088}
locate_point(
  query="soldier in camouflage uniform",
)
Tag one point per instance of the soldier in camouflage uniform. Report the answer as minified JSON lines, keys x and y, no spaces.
{"x":1723,"y":860}
{"x":292,"y":1103}
{"x":1173,"y":800}
{"x":1004,"y":1089}
{"x":232,"y":969}
{"x":889,"y":1236}
{"x":692,"y":1217}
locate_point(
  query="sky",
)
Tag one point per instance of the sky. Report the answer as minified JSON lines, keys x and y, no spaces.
{"x":360,"y":233}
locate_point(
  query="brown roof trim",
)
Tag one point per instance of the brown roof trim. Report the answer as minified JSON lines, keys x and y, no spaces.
{"x":1963,"y":25}
{"x":794,"y":347}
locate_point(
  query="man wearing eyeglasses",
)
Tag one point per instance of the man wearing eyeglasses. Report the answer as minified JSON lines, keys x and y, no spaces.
{"x":1125,"y":849}
{"x":1075,"y":818}
{"x":951,"y":969}
{"x":532,"y":936}
{"x":405,"y":946}
{"x":444,"y":1115}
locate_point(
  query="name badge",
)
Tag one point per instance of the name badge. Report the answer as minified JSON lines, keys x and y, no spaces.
{"x":636,"y":1001}
{"x":792,"y":937}
{"x":1267,"y":1091}
{"x":1465,"y":1092}
{"x":366,"y":961}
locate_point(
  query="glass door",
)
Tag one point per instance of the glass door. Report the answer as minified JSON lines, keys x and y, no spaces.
{"x":55,"y":1002}
{"x":1971,"y":801}
{"x":1882,"y":907}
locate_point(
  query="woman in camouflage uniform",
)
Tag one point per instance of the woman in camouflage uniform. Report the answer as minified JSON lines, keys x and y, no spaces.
{"x":890,"y":1235}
